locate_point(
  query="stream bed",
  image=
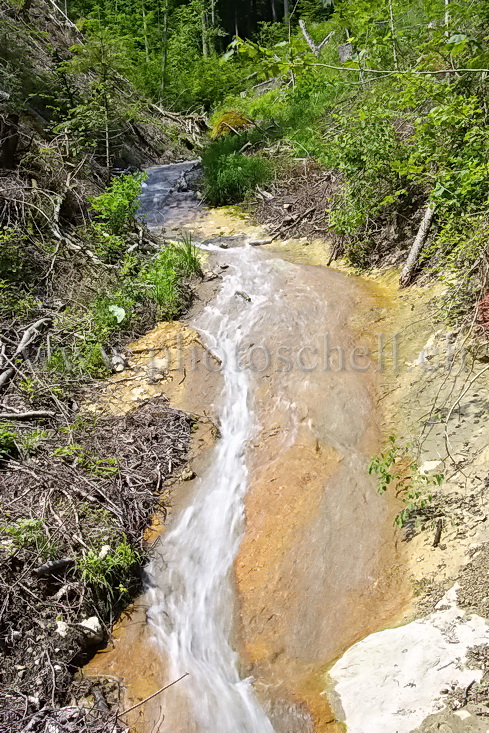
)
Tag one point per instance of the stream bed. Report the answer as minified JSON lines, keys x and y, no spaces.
{"x":280,"y":555}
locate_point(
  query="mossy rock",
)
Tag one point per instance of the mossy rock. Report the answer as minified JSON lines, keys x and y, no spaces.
{"x":228,"y":122}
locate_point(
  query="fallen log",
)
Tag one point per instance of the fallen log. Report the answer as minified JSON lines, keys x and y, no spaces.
{"x":418,"y":244}
{"x":53,"y":566}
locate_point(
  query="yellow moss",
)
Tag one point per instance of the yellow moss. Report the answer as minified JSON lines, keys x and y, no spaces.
{"x":230,"y":121}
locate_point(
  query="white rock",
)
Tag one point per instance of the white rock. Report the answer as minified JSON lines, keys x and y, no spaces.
{"x":62,"y":628}
{"x":392,"y":680}
{"x":462,"y":714}
{"x":93,"y":627}
{"x":430,"y":467}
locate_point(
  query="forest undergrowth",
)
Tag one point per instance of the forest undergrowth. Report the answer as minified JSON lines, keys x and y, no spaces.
{"x":80,"y":276}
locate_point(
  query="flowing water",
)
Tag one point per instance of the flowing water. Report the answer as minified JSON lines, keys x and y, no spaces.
{"x":283,"y":555}
{"x":190,"y":579}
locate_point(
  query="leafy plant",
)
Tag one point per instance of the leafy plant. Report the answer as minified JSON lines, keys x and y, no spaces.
{"x":30,"y":534}
{"x":116,"y":207}
{"x":107,"y":572}
{"x":85,"y":459}
{"x":393,"y":467}
{"x":29,"y":442}
{"x":230,"y":175}
{"x":164,"y":277}
{"x":14,"y":303}
{"x":8,"y":440}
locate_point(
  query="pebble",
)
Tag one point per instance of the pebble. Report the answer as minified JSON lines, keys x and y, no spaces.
{"x":93,"y":629}
{"x":62,"y":628}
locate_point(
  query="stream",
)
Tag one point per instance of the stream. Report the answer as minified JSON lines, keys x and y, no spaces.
{"x":283,"y":555}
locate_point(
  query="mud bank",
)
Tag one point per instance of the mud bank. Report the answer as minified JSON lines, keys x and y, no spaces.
{"x":433,"y":399}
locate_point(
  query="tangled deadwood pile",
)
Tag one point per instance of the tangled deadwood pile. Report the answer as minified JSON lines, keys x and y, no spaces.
{"x":296,"y":205}
{"x":70,"y":719}
{"x":74,"y":503}
{"x":299,"y":205}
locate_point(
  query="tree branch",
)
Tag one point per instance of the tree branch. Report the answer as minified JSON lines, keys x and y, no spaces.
{"x":315,"y":47}
{"x":424,"y":228}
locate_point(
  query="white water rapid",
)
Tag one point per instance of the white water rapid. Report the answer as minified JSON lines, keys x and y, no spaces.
{"x":190,"y":577}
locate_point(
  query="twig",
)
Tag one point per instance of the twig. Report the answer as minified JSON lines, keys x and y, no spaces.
{"x":457,"y":401}
{"x":153,"y":695}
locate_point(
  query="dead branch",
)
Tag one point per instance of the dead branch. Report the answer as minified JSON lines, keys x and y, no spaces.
{"x":29,"y":336}
{"x":316,"y":48}
{"x":154,"y":694}
{"x":53,"y":566}
{"x":31,"y":415}
{"x":418,"y":244}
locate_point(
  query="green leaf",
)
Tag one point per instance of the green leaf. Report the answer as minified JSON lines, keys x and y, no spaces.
{"x":118,"y":312}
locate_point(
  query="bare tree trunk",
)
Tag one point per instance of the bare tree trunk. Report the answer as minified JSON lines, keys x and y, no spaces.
{"x":418,"y":244}
{"x":205,"y":50}
{"x":274,"y":12}
{"x":315,"y":48}
{"x":165,"y":52}
{"x":107,"y":141}
{"x":286,"y":10}
{"x":394,"y":50}
{"x":145,"y":32}
{"x":447,"y":16}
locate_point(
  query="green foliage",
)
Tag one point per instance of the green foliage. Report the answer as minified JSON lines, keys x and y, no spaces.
{"x":15,"y":303}
{"x":110,"y":312}
{"x":395,"y":468}
{"x":109,"y":572}
{"x":164,"y":275}
{"x":8,"y":440}
{"x":77,"y":454}
{"x":84,"y":359}
{"x":15,"y":264}
{"x":116,"y":207}
{"x":23,"y":444}
{"x":29,"y":442}
{"x":109,"y":247}
{"x":158,"y":286}
{"x":30,"y":534}
{"x":229,"y":175}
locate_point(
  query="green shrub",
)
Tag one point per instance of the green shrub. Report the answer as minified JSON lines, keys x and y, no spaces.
{"x":30,"y":534}
{"x":8,"y":437}
{"x":116,"y":207}
{"x":395,"y":468}
{"x":15,"y":303}
{"x":110,"y":312}
{"x":110,"y":572}
{"x":19,"y":262}
{"x":76,"y":453}
{"x":109,"y":247}
{"x":228,"y":174}
{"x":163,"y":278}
